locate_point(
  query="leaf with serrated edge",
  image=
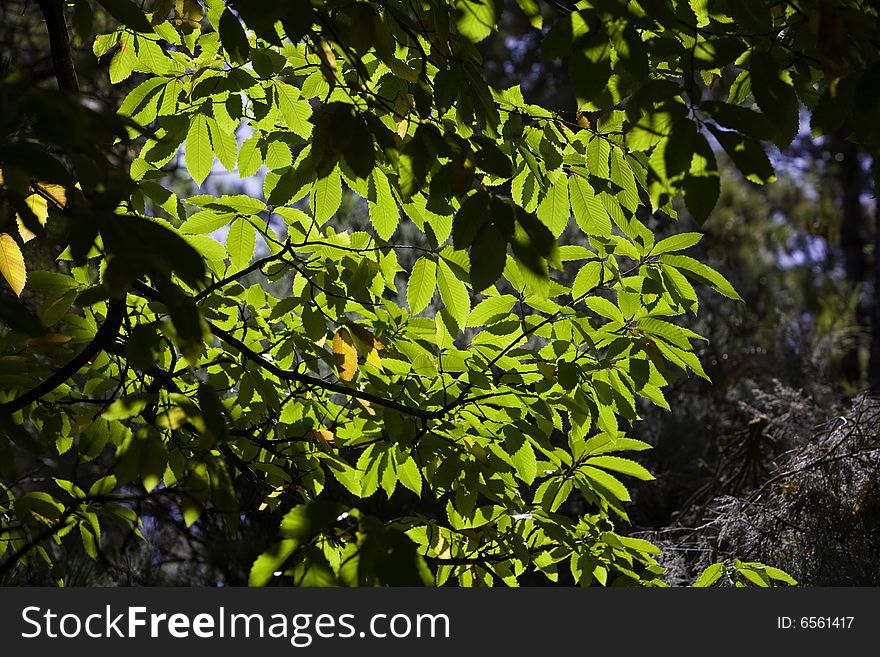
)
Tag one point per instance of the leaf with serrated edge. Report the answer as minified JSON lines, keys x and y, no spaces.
{"x":453,"y":293}
{"x":240,"y":242}
{"x":421,"y":285}
{"x":12,"y":264}
{"x":199,"y":154}
{"x":345,"y":355}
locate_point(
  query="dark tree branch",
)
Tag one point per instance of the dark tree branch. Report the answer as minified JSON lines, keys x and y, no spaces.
{"x":15,"y":558}
{"x":292,"y":375}
{"x":62,"y":60}
{"x":254,"y":266}
{"x":103,"y":338}
{"x":48,"y":532}
{"x":59,"y":40}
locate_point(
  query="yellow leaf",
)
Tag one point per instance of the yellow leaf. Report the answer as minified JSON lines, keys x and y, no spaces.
{"x":367,"y":344}
{"x":187,"y":15}
{"x":12,"y":264}
{"x":439,"y":543}
{"x":373,"y":359}
{"x":583,"y":120}
{"x":366,"y":406}
{"x":366,"y":337}
{"x":38,"y":202}
{"x":402,"y":126}
{"x":328,"y":63}
{"x":273,"y":499}
{"x":46,"y":343}
{"x":863,"y":495}
{"x":345,"y":355}
{"x":172,"y":419}
{"x":40,"y":208}
{"x":325,"y":438}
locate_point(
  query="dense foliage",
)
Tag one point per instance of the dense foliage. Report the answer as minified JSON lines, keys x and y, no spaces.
{"x":442,"y":393}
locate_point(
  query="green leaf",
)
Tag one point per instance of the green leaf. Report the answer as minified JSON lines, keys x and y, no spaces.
{"x":250,"y":159}
{"x":488,"y":257}
{"x":233,"y":37}
{"x":271,"y":562}
{"x":532,"y":10}
{"x":605,"y":308}
{"x":551,"y":493}
{"x":588,"y":278}
{"x":128,"y":406}
{"x":240,"y":242}
{"x":453,"y":293}
{"x":525,"y":462}
{"x":678,"y":242}
{"x":622,"y":176}
{"x":295,"y":110}
{"x":476,"y":18}
{"x":224,"y":145}
{"x":747,"y":154}
{"x":89,"y":540}
{"x":127,"y":13}
{"x":153,"y":460}
{"x":740,"y":119}
{"x":589,"y":212}
{"x":701,"y":186}
{"x":206,"y":221}
{"x":775,"y":96}
{"x":554,"y":210}
{"x":710,"y":575}
{"x":606,"y":481}
{"x":384,"y":213}
{"x":753,"y":576}
{"x":278,"y":156}
{"x":740,"y":89}
{"x":305,"y":521}
{"x":409,"y":475}
{"x":137,"y":102}
{"x":470,"y":219}
{"x":703,"y":273}
{"x":103,"y":486}
{"x":199,"y":154}
{"x":622,"y":465}
{"x":780,"y":575}
{"x":421,"y":284}
{"x":326,"y":197}
{"x":490,"y":309}
{"x":599,"y":157}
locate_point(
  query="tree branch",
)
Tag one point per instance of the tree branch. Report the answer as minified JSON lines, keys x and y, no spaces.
{"x":292,"y":375}
{"x":103,"y":338}
{"x":59,"y":41}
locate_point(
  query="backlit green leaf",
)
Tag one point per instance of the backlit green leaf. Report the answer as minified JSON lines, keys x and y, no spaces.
{"x":199,"y":153}
{"x":421,"y":285}
{"x":453,"y":293}
{"x":240,"y":242}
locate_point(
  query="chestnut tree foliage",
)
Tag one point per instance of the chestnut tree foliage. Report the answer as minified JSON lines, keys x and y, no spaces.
{"x":440,"y":393}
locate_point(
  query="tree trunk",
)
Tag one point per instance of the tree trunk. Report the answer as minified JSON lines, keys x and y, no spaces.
{"x":59,"y":40}
{"x":852,"y":242}
{"x":874,"y":364}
